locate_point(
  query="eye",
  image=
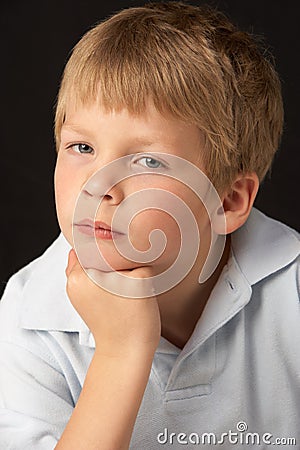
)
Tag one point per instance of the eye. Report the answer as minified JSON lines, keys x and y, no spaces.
{"x":82,"y":148}
{"x":150,"y":163}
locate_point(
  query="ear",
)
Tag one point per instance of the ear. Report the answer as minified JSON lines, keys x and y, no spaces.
{"x":238,"y":200}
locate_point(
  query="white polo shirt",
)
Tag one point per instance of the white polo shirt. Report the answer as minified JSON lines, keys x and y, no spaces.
{"x":235,"y":383}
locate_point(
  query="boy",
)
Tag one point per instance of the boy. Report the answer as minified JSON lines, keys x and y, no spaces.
{"x":213,"y":362}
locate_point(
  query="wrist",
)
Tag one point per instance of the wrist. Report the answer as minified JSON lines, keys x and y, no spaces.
{"x":130,"y":350}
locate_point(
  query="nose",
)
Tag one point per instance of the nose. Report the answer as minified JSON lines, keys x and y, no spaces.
{"x":99,"y":189}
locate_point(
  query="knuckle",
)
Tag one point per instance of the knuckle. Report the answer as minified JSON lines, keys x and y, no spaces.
{"x":74,"y":283}
{"x":142,"y":272}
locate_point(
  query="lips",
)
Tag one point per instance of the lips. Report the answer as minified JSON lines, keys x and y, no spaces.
{"x":97,"y":228}
{"x":102,"y":225}
{"x":95,"y":225}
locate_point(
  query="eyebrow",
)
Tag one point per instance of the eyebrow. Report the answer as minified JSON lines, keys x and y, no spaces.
{"x":144,"y":140}
{"x":76,"y":128}
{"x":139,"y":140}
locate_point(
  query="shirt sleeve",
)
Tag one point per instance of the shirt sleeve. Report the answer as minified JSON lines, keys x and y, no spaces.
{"x":36,"y":396}
{"x":35,"y":401}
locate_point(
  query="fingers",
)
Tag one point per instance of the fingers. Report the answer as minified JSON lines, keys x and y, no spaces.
{"x":139,"y":272}
{"x":72,"y":261}
{"x":75,"y":276}
{"x":135,"y":283}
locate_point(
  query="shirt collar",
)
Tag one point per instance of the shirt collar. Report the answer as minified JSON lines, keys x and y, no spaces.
{"x":46,"y":305}
{"x":263,"y":246}
{"x":261,"y":239}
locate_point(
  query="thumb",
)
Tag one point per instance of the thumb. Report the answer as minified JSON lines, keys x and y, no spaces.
{"x":72,"y":261}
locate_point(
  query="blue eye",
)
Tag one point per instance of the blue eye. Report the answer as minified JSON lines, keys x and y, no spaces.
{"x":150,"y":163}
{"x":82,"y":148}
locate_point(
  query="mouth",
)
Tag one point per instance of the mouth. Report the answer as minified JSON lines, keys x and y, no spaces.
{"x":98,"y":229}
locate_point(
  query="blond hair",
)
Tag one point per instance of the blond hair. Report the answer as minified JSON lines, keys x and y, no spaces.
{"x":192,"y":63}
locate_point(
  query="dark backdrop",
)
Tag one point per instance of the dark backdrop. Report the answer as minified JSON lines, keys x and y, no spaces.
{"x":36,"y":38}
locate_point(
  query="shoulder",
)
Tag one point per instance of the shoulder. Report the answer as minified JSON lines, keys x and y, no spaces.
{"x":50,"y":256}
{"x":264,"y":248}
{"x":267,"y":253}
{"x":281,"y":290}
{"x":36,"y":377}
{"x":27,"y":290}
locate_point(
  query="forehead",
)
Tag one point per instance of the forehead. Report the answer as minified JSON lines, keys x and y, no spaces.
{"x":148,"y":127}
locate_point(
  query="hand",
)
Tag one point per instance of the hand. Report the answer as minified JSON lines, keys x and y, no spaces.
{"x":118,"y":324}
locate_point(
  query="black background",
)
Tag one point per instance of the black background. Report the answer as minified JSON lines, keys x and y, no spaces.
{"x":36,"y":38}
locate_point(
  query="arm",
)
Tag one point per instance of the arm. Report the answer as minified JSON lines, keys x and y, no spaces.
{"x":126,"y":333}
{"x":107,"y":407}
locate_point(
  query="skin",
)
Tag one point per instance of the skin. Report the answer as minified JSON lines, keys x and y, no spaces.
{"x":111,"y":136}
{"x":122,"y":344}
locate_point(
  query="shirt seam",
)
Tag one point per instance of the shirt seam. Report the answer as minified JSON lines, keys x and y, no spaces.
{"x":51,"y":359}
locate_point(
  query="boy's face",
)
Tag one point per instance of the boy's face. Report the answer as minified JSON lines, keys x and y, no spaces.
{"x":90,"y":139}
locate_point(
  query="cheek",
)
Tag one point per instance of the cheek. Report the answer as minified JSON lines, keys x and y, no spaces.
{"x":147,"y":221}
{"x":60,"y":187}
{"x":66,"y":192}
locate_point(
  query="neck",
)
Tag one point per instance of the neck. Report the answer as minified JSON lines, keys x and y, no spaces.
{"x":182,"y":306}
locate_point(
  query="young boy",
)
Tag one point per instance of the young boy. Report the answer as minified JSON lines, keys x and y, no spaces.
{"x":197,"y":363}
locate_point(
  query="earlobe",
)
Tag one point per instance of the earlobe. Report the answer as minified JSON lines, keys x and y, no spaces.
{"x":238,"y":200}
